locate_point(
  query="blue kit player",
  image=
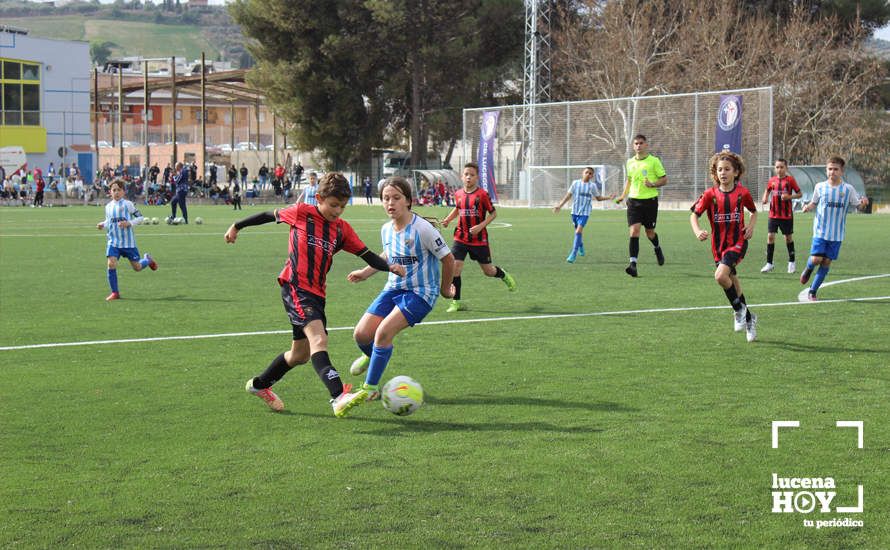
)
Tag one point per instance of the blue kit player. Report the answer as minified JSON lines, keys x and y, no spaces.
{"x":120,"y":217}
{"x":582,"y":192}
{"x":832,"y":199}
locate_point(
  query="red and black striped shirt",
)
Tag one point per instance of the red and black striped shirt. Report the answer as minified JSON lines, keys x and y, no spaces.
{"x":779,"y":209}
{"x":472,"y":209}
{"x":727,"y":218}
{"x":312,"y":245}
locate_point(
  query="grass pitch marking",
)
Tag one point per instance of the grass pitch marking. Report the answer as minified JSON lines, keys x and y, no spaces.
{"x":451,"y":321}
{"x":802,"y":295}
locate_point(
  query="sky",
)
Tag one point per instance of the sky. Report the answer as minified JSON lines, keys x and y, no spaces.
{"x":883,"y":33}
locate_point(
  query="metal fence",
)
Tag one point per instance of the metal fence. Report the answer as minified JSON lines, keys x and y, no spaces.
{"x":536,"y":170}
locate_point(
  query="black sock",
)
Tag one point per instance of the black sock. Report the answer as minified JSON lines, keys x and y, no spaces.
{"x":770,"y":250}
{"x":456,"y":282}
{"x":498,"y":272}
{"x":747,"y":311}
{"x":329,"y":376}
{"x":654,"y":240}
{"x":273,"y":373}
{"x":634,"y":247}
{"x":790,"y":251}
{"x":733,"y":298}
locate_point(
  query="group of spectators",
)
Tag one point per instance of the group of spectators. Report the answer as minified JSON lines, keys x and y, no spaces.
{"x":155,"y":186}
{"x":29,"y":186}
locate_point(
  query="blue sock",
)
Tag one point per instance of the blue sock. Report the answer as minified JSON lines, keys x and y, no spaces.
{"x":367,"y":349}
{"x":143,"y":262}
{"x":379,"y":359}
{"x":810,"y":265}
{"x":819,"y":278}
{"x":577,"y":244}
{"x":112,"y":279}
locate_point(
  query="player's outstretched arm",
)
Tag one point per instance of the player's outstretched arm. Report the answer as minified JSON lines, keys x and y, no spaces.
{"x":561,"y":203}
{"x":451,"y":215}
{"x":256,"y":219}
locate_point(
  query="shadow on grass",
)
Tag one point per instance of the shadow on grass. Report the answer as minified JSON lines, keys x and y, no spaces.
{"x":785,"y":345}
{"x":491,"y":400}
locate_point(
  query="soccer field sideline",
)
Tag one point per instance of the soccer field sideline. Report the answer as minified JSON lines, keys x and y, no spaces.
{"x":463,"y":321}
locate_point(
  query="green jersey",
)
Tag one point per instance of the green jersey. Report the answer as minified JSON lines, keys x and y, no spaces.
{"x":640,"y":171}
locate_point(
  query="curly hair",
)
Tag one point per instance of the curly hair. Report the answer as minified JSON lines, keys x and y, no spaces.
{"x":736,"y":160}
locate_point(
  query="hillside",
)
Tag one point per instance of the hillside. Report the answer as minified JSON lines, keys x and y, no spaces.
{"x":128,"y":37}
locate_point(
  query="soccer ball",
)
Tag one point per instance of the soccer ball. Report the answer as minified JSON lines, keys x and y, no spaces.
{"x":199,"y":220}
{"x":169,"y":220}
{"x":402,"y":395}
{"x":154,"y":221}
{"x":178,"y":221}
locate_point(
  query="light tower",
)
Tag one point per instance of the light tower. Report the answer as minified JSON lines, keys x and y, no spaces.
{"x":536,"y":82}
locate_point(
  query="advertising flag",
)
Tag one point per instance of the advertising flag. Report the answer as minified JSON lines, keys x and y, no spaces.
{"x":728,"y":136}
{"x":485,"y":158}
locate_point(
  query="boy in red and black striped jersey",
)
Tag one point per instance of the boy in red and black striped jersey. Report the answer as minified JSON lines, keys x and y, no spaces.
{"x":725,"y":204}
{"x":475,"y":212}
{"x":780,"y":191}
{"x":316,"y":233}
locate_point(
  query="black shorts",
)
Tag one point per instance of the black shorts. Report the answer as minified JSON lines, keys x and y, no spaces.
{"x":733,"y":258}
{"x":480,"y":253}
{"x":642,"y":211}
{"x":302,"y":308}
{"x":774,"y":224}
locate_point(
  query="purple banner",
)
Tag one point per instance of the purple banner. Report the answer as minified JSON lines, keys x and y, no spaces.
{"x":485,"y":158}
{"x":728,"y":136}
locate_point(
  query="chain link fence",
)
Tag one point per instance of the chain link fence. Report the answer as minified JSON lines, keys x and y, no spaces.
{"x":537,"y":170}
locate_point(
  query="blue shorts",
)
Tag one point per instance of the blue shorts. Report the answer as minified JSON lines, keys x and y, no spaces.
{"x":131,"y":254}
{"x":826,"y":249}
{"x":579,"y":220}
{"x":412,"y":306}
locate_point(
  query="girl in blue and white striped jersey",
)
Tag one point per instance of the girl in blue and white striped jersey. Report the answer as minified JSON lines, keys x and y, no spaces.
{"x":120,"y":217}
{"x":413,"y":242}
{"x":831,"y":200}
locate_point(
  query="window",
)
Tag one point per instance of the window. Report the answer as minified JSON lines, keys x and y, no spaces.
{"x":20,"y":83}
{"x":178,"y":114}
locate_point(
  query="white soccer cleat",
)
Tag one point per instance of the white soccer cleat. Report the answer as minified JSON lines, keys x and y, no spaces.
{"x":751,"y":329}
{"x":792,"y":267}
{"x":767,"y":268}
{"x":739,"y":324}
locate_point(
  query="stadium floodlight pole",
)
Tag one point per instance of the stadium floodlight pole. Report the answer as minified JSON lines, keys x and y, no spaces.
{"x":173,"y":104}
{"x":120,"y":116}
{"x":145,"y":102}
{"x":96,"y":112}
{"x":536,"y":80}
{"x":203,"y":118}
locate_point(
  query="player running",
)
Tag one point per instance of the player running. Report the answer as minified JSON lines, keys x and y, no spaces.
{"x":475,"y":211}
{"x":120,"y":217}
{"x":724,"y":203}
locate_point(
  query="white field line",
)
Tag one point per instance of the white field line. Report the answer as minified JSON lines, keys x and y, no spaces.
{"x":802,"y":295}
{"x":431,"y":323}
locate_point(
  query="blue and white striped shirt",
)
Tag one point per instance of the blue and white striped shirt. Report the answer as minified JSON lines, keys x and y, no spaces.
{"x":418,"y":247}
{"x":118,"y":211}
{"x":832,"y":204}
{"x":309,"y":195}
{"x":583,"y":194}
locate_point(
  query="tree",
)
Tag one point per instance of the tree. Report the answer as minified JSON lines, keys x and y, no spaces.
{"x":817,"y":66}
{"x":100,"y":52}
{"x":354,"y":74}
